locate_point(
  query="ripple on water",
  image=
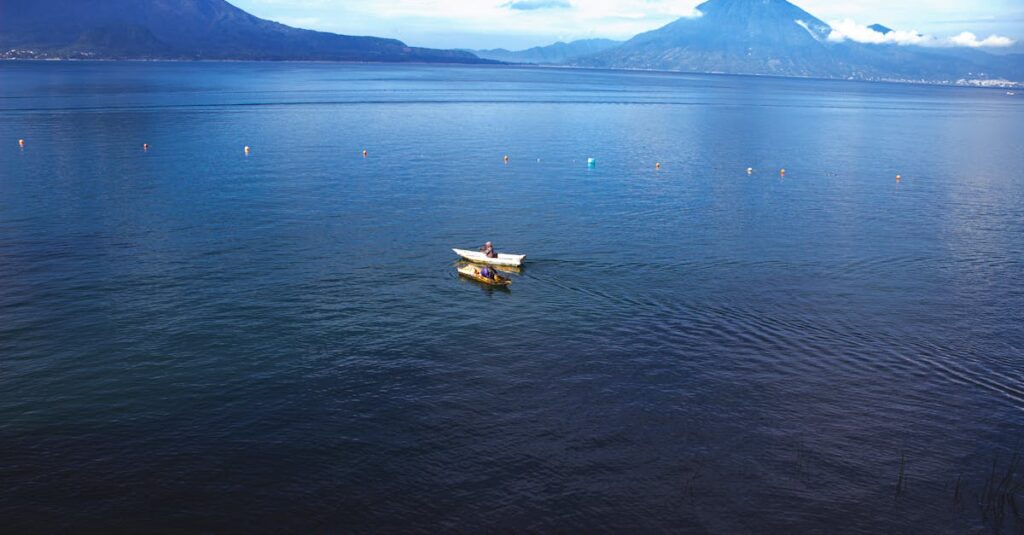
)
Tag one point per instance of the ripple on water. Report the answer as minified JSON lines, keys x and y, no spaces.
{"x":189,"y":332}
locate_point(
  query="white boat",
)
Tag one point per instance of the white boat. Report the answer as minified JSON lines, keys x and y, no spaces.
{"x":514,"y":260}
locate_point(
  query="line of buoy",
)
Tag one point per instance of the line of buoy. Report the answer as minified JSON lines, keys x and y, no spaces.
{"x":591,"y":162}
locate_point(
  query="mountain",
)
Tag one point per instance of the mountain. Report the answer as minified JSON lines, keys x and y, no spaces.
{"x":183,"y":29}
{"x":881,"y":28}
{"x":775,"y":37}
{"x":732,"y":36}
{"x":552,"y":54}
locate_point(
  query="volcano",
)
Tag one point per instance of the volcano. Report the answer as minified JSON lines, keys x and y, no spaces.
{"x":775,"y":37}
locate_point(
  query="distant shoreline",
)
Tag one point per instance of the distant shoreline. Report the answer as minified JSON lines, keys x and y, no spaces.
{"x":975,"y":83}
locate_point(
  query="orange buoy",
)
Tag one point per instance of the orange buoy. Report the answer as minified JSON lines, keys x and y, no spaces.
{"x":782,"y":172}
{"x":21,"y":143}
{"x":247,"y":150}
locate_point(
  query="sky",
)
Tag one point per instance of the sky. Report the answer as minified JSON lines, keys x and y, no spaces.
{"x":517,"y":24}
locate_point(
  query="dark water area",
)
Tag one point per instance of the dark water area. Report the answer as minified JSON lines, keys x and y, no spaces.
{"x":192,"y":339}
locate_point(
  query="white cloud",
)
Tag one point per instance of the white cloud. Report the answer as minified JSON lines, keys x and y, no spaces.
{"x":849,"y":30}
{"x":817,"y":32}
{"x":971,"y":40}
{"x":804,"y":26}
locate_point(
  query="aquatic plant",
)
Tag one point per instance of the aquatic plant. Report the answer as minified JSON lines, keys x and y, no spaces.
{"x":998,"y":499}
{"x":901,"y":481}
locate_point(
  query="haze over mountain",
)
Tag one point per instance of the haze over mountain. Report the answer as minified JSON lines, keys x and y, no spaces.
{"x":552,"y":54}
{"x":775,"y":37}
{"x":182,"y":29}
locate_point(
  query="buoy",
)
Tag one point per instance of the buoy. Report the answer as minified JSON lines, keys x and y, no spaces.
{"x":657,"y":165}
{"x":591,"y":162}
{"x":782,"y":172}
{"x":247,"y":149}
{"x":506,"y":158}
{"x":21,"y":143}
{"x":898,"y":177}
{"x":145,"y":146}
{"x":365,"y":153}
{"x":750,"y":170}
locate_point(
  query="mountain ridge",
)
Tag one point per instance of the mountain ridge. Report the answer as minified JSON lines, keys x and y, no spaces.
{"x":184,"y":29}
{"x":559,"y":52}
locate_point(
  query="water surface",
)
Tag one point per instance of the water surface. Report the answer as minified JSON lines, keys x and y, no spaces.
{"x":192,"y":339}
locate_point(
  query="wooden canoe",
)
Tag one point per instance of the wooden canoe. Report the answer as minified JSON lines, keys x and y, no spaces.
{"x":473,"y":272}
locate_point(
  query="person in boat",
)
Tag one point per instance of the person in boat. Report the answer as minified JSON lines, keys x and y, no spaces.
{"x":488,"y":249}
{"x":487,"y":272}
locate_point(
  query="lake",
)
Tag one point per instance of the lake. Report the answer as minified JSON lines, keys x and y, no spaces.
{"x":196,"y":339}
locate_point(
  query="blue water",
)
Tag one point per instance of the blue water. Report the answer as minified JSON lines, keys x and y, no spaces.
{"x":192,"y":339}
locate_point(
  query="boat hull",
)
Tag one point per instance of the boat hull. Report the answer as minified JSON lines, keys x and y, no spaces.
{"x":512,"y":260}
{"x":473,"y":272}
